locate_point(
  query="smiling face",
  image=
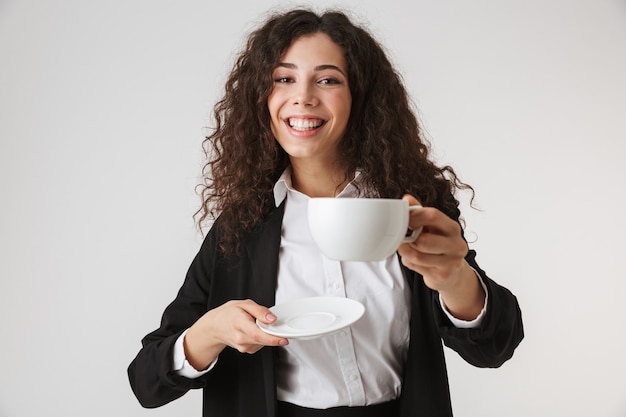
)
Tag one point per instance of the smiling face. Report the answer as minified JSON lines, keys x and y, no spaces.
{"x":310,"y":103}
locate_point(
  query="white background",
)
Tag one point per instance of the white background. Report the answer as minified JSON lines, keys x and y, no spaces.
{"x":102,"y":109}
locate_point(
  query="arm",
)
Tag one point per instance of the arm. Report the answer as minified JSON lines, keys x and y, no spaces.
{"x":441,"y":256}
{"x":151,"y":372}
{"x":209,"y":305}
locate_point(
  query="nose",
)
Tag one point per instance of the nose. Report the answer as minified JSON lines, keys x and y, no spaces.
{"x":304,"y":95}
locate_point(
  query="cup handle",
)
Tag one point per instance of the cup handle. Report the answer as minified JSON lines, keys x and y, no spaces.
{"x":412,"y":237}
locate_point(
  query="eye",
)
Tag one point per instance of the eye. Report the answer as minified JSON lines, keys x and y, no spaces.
{"x":329,"y":81}
{"x":283,"y":80}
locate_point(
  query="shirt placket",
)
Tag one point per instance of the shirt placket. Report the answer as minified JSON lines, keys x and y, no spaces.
{"x":335,"y":287}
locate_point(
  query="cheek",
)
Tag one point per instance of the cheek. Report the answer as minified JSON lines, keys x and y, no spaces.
{"x":273,"y":110}
{"x":270,"y":104}
{"x":346,"y":107}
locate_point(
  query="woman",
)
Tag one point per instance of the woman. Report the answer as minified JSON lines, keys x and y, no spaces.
{"x":313,"y":108}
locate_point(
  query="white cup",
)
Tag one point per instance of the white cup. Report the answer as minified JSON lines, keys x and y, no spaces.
{"x":360,"y":229}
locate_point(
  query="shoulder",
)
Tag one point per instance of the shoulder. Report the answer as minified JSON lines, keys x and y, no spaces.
{"x":269,"y":225}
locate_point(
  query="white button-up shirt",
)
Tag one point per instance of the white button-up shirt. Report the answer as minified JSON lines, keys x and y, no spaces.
{"x":362,"y":364}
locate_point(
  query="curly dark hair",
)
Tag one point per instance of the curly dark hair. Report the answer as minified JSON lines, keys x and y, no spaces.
{"x":383,"y":138}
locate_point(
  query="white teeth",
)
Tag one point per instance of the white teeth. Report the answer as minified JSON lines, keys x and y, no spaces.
{"x":305,"y":124}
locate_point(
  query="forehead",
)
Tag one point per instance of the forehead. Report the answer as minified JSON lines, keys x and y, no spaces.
{"x":316,"y":48}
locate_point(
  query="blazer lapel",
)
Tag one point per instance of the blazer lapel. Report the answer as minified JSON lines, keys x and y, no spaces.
{"x":262,"y":248}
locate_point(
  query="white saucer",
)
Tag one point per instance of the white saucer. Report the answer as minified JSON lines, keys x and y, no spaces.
{"x":308,"y":318}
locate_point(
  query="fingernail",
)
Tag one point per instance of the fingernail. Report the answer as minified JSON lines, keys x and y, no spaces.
{"x":270,"y":317}
{"x":283,"y":342}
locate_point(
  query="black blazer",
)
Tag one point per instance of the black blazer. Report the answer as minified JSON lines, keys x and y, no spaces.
{"x":243,"y":385}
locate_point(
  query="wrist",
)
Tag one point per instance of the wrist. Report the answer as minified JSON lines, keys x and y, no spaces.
{"x":200,"y":350}
{"x":466,"y":298}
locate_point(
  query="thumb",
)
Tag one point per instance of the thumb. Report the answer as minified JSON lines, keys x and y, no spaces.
{"x":411,"y":200}
{"x":262,"y":313}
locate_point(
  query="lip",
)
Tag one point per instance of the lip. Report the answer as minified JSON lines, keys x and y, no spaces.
{"x":304,"y":133}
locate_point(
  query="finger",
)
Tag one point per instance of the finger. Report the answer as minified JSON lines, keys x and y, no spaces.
{"x":413,"y":226}
{"x":264,"y":315}
{"x":431,"y":261}
{"x":440,"y":264}
{"x":266,"y":339}
{"x":435,"y":244}
{"x":434,"y":221}
{"x":249,"y":338}
{"x":259,"y":312}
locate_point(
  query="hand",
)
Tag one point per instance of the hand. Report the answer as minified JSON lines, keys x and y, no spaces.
{"x":231,"y":324}
{"x":438,"y":254}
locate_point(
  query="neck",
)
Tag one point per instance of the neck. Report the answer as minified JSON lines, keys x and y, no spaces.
{"x":318,"y":181}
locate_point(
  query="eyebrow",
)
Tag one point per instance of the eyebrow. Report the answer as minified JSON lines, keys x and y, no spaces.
{"x":317,"y":68}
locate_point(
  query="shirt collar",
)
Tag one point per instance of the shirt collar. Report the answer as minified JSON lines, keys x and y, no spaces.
{"x":284,"y":185}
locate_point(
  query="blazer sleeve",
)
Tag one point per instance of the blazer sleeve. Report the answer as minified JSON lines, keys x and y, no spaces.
{"x":151,"y":374}
{"x":501,"y":331}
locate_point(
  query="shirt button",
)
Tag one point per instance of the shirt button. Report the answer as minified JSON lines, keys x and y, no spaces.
{"x":354,"y":377}
{"x":336,"y":286}
{"x":342,"y":334}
